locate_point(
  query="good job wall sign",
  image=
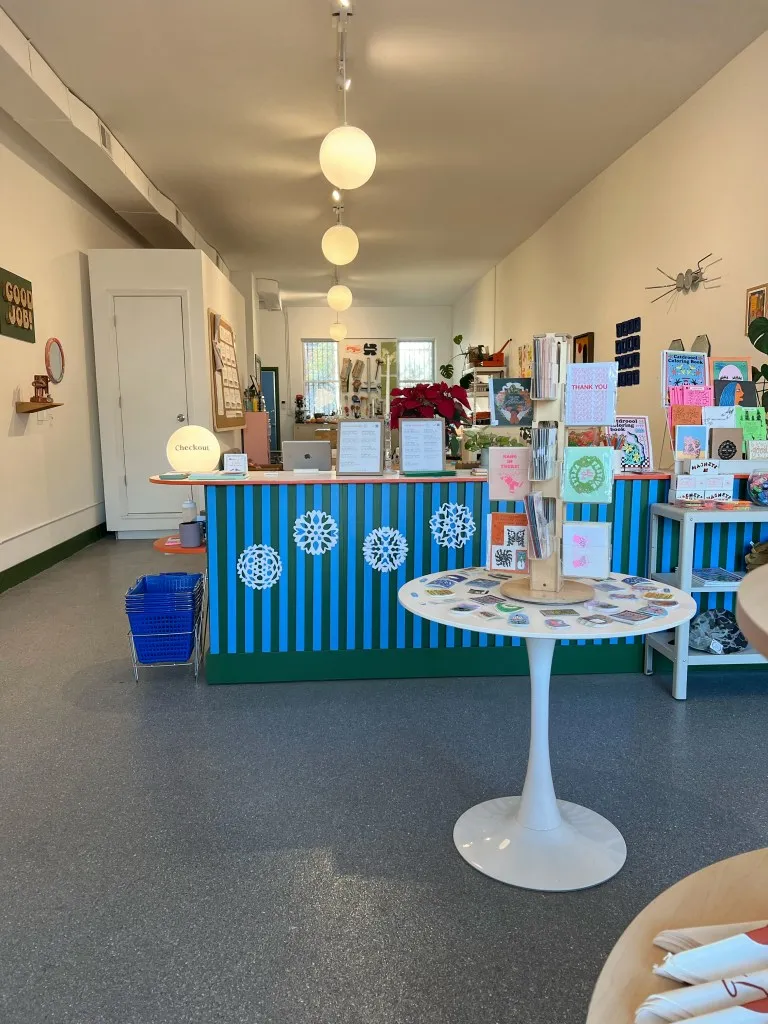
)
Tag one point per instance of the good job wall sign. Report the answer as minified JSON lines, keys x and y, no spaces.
{"x":17,"y":318}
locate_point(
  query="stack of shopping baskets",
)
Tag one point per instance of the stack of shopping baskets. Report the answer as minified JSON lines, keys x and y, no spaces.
{"x":166,"y":614}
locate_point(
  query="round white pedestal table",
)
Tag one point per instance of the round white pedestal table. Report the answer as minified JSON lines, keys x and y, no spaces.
{"x":752,"y":608}
{"x":534,"y":840}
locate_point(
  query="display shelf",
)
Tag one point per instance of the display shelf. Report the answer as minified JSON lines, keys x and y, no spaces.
{"x":23,"y":408}
{"x":679,"y":652}
{"x":671,"y":579}
{"x":663,"y":643}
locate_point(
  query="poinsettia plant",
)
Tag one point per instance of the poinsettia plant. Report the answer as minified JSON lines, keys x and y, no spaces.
{"x":428,"y":400}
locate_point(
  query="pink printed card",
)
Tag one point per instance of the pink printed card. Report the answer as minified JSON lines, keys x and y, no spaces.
{"x":587,"y":550}
{"x":508,"y":473}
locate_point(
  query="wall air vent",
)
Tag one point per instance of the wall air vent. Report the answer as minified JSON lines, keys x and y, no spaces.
{"x":105,"y":137}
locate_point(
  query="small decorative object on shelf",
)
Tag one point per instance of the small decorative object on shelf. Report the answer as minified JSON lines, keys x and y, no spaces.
{"x":42,"y":395}
{"x":757,"y":488}
{"x":300,"y":412}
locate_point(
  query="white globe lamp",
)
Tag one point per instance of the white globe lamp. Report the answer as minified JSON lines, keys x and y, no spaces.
{"x":340,"y":245}
{"x":347,"y":157}
{"x":339,"y":297}
{"x":338,"y":332}
{"x":193,"y":450}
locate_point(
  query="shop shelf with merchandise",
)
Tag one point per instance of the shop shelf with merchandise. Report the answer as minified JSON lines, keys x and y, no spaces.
{"x":712,"y":536}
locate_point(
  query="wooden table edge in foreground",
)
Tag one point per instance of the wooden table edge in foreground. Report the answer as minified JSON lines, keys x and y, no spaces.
{"x":723,"y":893}
{"x":752,"y":608}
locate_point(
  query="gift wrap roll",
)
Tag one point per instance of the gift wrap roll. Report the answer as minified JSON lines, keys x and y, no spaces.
{"x":694,"y":1000}
{"x":740,"y":954}
{"x":750,"y":1013}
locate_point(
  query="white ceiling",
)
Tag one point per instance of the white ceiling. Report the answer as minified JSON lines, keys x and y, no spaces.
{"x":486,"y":117}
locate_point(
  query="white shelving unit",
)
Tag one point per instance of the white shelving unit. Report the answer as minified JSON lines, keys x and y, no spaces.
{"x":481,"y":390}
{"x":674,"y":643}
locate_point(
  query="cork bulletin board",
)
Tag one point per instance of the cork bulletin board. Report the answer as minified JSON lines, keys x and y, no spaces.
{"x":227,"y":395}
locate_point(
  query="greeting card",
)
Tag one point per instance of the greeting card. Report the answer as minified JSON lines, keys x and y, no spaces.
{"x":510,"y":400}
{"x":684,"y":414}
{"x":726,"y":443}
{"x":719,"y":416}
{"x":691,"y":442}
{"x":508,"y":473}
{"x":507,"y":550}
{"x":735,"y":392}
{"x":757,"y":449}
{"x":588,"y":475}
{"x":731,"y":369}
{"x":587,"y":549}
{"x":590,"y":394}
{"x":752,"y":422}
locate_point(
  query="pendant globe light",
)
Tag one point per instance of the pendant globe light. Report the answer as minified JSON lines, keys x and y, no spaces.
{"x":347,"y":157}
{"x":340,"y":245}
{"x":338,"y":331}
{"x":339,"y":297}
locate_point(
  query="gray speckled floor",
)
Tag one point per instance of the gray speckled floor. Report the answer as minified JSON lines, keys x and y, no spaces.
{"x":282,"y":854}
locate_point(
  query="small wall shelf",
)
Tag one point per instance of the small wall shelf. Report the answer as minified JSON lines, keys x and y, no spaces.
{"x":22,"y":408}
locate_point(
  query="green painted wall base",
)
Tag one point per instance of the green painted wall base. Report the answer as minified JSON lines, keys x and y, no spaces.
{"x":32,"y":566}
{"x":306,"y":666}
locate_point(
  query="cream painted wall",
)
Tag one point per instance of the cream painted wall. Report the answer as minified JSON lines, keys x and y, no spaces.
{"x":306,"y":322}
{"x":51,"y":461}
{"x":694,"y":185}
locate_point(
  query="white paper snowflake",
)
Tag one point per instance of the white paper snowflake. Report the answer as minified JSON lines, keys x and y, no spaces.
{"x":315,"y":532}
{"x":259,"y":567}
{"x":452,"y":525}
{"x":385,"y":549}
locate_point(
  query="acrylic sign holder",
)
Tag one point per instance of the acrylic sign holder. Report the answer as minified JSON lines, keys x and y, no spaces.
{"x":545,"y":584}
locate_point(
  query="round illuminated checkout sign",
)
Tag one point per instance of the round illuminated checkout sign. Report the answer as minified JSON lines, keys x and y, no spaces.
{"x":193,"y":450}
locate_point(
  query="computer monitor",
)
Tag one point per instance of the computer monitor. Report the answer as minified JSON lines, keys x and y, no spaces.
{"x":306,"y":455}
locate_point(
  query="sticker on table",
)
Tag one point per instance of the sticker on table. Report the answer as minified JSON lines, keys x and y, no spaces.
{"x":594,"y":620}
{"x":438,"y":592}
{"x":449,"y":581}
{"x":464,"y":607}
{"x":557,"y":623}
{"x":502,"y":607}
{"x":628,"y":615}
{"x":655,"y":610}
{"x":607,"y":587}
{"x":486,"y":584}
{"x":518,"y":619}
{"x":486,"y":599}
{"x":667,"y":602}
{"x":636,"y":581}
{"x":486,"y":614}
{"x":598,"y":606}
{"x":659,"y":596}
{"x":559,"y":611}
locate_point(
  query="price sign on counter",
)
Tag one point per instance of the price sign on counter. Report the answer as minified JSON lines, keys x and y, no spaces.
{"x":422,"y":445}
{"x":360,"y":448}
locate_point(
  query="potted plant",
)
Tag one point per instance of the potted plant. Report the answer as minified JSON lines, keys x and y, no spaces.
{"x":429,"y":400}
{"x":482,"y":440}
{"x":447,"y":369}
{"x":758,"y":335}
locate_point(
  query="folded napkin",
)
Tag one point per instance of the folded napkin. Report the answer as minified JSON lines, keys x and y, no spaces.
{"x":695,"y":1000}
{"x":739,"y":954}
{"x":750,"y":1013}
{"x":677,"y":939}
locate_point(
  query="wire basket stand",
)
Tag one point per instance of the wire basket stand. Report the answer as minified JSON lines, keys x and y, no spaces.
{"x":198,"y":632}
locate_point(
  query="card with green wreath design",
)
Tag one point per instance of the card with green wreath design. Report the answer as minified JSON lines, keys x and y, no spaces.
{"x":588,"y":475}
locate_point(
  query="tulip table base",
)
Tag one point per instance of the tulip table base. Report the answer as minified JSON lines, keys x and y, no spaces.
{"x":536,"y":841}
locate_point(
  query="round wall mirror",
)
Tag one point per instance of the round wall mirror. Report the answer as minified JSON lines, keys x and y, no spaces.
{"x":54,"y":360}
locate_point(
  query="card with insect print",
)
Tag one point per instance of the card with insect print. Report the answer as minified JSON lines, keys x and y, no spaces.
{"x":587,"y":550}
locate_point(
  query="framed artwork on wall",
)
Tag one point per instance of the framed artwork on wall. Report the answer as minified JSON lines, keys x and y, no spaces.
{"x":584,"y":348}
{"x":756,"y":303}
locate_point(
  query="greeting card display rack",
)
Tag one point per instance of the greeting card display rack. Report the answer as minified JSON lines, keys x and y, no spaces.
{"x":546,"y":584}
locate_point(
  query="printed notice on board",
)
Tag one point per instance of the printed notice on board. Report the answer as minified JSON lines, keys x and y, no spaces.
{"x":361,"y":446}
{"x":422,"y":445}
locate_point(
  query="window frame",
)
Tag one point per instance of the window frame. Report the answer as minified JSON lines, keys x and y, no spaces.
{"x":331,"y":383}
{"x":409,"y":382}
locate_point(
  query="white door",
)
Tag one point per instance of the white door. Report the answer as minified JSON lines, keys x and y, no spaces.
{"x":153,"y":394}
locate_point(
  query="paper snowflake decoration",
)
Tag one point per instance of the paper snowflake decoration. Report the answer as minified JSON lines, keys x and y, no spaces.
{"x":315,"y":532}
{"x":259,"y":567}
{"x":385,"y":549}
{"x":452,"y":525}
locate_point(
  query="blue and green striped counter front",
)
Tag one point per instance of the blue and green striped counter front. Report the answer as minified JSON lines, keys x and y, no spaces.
{"x":304,"y":578}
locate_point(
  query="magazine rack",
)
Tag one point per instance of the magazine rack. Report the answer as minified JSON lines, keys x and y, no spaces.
{"x":545,"y":584}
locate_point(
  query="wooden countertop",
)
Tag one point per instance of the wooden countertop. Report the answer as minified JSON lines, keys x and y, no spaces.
{"x":282,"y":478}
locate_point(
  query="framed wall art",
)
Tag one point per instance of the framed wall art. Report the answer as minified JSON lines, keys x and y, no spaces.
{"x":756,"y":303}
{"x":228,"y":409}
{"x":584,"y":348}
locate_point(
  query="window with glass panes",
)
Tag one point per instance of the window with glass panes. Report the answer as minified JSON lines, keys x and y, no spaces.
{"x":321,"y":377}
{"x":415,"y":363}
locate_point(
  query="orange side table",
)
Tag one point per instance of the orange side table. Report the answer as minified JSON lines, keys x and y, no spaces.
{"x":161,"y":544}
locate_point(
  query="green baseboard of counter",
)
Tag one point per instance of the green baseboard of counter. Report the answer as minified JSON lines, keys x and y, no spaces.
{"x":314,"y":666}
{"x":37,"y":563}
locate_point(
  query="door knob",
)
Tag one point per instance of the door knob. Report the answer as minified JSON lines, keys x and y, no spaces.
{"x":181,"y":417}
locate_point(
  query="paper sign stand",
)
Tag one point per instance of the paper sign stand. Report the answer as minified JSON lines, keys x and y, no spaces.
{"x":546,"y":584}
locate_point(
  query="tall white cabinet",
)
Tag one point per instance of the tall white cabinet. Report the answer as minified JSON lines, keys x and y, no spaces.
{"x":153,"y":371}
